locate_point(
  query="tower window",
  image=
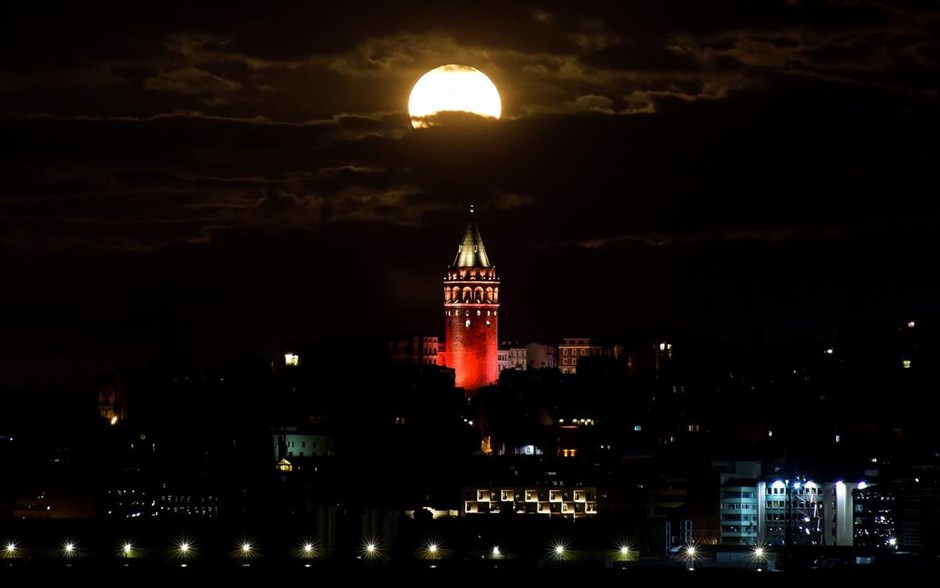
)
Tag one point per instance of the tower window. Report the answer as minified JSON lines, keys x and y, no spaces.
{"x":467,"y":324}
{"x":488,"y":323}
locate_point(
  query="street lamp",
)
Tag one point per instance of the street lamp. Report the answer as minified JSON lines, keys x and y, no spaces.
{"x":370,"y":549}
{"x":432,"y":550}
{"x":68,"y":548}
{"x":760,"y":556}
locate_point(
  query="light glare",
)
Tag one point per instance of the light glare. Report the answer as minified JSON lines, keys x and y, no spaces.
{"x":68,"y":548}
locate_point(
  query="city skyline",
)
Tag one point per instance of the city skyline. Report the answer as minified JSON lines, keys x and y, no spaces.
{"x":224,"y":182}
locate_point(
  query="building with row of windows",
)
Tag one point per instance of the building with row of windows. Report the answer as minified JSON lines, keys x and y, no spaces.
{"x":758,"y":511}
{"x":569,"y":502}
{"x":573,"y":348}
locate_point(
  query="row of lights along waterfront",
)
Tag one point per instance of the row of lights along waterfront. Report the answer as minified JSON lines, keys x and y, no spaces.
{"x":371,"y":550}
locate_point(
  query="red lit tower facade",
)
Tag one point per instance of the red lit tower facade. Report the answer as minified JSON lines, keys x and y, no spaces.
{"x":471,"y":305}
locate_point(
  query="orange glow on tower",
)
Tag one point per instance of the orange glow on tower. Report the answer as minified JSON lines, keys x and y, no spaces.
{"x":471,"y":305}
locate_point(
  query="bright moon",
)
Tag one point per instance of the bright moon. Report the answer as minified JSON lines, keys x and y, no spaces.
{"x":453,"y":88}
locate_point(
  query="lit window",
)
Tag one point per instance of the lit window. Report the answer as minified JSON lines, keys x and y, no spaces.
{"x":637,"y":428}
{"x":467,"y":324}
{"x":291,"y":359}
{"x":838,"y":438}
{"x":906,"y":364}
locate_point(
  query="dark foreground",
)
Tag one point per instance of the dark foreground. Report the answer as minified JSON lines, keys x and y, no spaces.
{"x":426,"y":573}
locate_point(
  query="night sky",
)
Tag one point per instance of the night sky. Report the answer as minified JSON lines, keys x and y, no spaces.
{"x":223,"y":180}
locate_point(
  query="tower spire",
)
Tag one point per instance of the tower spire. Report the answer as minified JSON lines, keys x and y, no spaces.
{"x":471,"y":252}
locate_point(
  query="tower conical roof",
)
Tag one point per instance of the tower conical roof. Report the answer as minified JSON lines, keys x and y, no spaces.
{"x":471,"y":252}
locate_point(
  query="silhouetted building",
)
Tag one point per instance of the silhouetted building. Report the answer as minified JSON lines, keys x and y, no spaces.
{"x":573,"y":348}
{"x":901,"y":514}
{"x":414,"y":350}
{"x":540,"y":356}
{"x":112,"y":405}
{"x":511,"y":357}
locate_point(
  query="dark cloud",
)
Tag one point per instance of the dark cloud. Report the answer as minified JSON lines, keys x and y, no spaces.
{"x":726,"y":167}
{"x":191,"y":80}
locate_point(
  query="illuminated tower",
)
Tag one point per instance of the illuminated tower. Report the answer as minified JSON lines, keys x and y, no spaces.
{"x":471,"y":302}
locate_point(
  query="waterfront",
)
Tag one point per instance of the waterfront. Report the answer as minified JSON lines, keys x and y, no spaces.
{"x":424,"y":573}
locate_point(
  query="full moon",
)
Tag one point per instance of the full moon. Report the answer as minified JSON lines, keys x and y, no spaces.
{"x":452,"y":88}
